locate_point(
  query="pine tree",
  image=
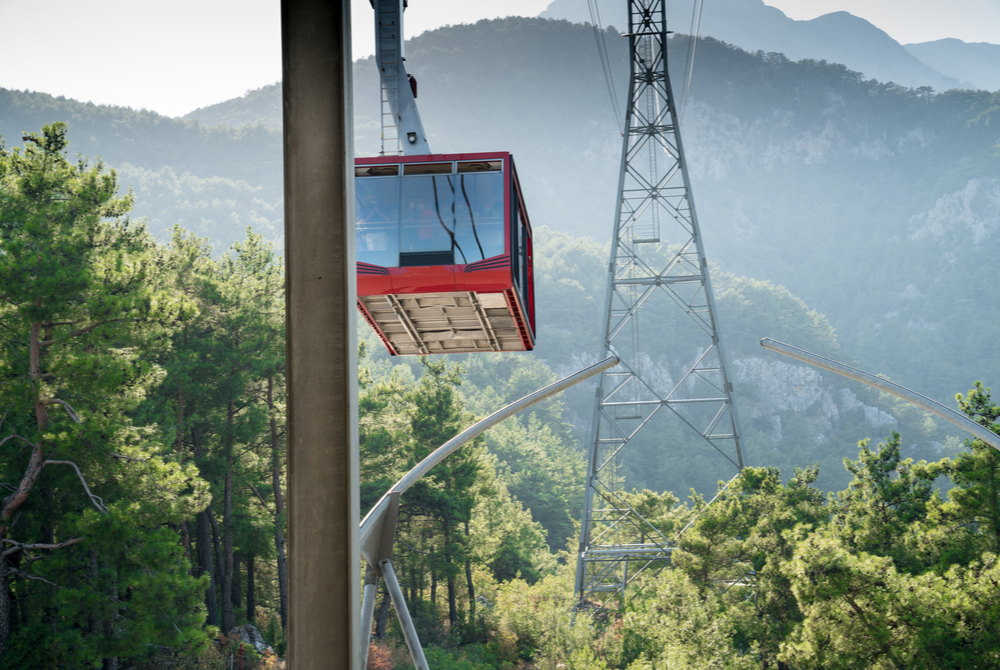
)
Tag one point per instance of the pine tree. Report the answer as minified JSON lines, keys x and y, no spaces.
{"x":82,"y":306}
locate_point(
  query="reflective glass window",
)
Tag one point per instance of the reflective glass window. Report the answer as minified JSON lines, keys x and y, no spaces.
{"x":377,"y":214}
{"x":427,"y":204}
{"x":479,"y":215}
{"x":429,"y":216}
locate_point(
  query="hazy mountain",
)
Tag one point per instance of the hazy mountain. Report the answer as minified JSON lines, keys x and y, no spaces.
{"x":804,"y":173}
{"x":865,"y":199}
{"x":976,"y":62}
{"x":751,"y":25}
{"x":260,"y":106}
{"x":212,"y":181}
{"x":876,"y":204}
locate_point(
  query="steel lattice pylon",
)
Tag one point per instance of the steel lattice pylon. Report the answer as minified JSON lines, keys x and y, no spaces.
{"x":670,"y":400}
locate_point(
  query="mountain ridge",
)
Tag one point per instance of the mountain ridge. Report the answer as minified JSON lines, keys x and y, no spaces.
{"x":979,"y":62}
{"x":755,"y":26}
{"x":865,"y":199}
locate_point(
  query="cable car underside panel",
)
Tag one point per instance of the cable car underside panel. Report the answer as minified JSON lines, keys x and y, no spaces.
{"x":440,"y":323}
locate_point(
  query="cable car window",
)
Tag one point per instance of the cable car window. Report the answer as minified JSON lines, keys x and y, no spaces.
{"x":377,"y":214}
{"x":426,"y":221}
{"x":479,"y":166}
{"x":519,"y":247}
{"x":421,"y":219}
{"x":431,"y":215}
{"x":376,"y":170}
{"x":427,"y":168}
{"x":524,"y":250}
{"x":479,"y":215}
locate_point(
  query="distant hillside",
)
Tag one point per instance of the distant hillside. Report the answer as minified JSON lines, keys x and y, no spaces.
{"x":805,"y":174}
{"x":976,"y":62}
{"x":750,"y":24}
{"x":876,"y":204}
{"x":213,"y":181}
{"x":260,"y":106}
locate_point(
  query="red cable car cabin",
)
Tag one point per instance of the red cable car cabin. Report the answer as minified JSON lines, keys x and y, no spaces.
{"x":444,"y":253}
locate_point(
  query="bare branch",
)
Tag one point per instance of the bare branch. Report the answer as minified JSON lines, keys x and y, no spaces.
{"x":262,"y":500}
{"x":131,"y":458}
{"x":25,"y":575}
{"x":95,"y":499}
{"x":93,"y":326}
{"x":69,"y":410}
{"x":18,"y":437}
{"x":86,"y":329}
{"x":20,"y":546}
{"x":250,"y":448}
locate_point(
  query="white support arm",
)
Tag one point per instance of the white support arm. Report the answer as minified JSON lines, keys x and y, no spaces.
{"x":932,"y":406}
{"x":392,"y":71}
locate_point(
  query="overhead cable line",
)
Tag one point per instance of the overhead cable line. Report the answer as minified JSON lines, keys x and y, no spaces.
{"x":602,"y":52}
{"x":696,"y":12}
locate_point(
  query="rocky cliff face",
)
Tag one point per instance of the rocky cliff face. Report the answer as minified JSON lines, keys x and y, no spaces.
{"x":969,"y":214}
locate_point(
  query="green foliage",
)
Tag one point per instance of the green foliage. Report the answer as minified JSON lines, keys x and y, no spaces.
{"x":737,"y":544}
{"x":168,"y":357}
{"x":893,"y":581}
{"x":671,"y":622}
{"x":468,"y":657}
{"x":503,"y":536}
{"x":534,"y":623}
{"x":886,"y":498}
{"x":85,"y":312}
{"x":861,"y":613}
{"x":224,"y":430}
{"x":975,"y":499}
{"x":543,"y":472}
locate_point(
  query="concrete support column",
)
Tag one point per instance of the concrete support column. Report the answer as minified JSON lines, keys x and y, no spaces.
{"x":322,"y":367}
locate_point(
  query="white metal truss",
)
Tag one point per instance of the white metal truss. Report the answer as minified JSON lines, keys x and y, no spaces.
{"x":670,"y":400}
{"x":402,"y":130}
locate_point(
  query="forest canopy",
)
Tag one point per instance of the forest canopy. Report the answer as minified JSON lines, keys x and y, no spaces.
{"x":143,"y":517}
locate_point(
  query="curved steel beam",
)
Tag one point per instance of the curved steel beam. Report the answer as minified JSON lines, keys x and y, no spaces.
{"x":378,"y":528}
{"x":932,"y":406}
{"x":371,"y":531}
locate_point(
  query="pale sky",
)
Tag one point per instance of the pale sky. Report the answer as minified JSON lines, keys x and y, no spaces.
{"x":173,"y":56}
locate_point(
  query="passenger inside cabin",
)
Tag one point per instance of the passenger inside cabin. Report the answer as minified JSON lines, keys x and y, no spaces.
{"x":376,"y":229}
{"x":421,"y":227}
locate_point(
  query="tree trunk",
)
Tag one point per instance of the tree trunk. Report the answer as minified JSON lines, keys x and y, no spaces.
{"x":383,"y":614}
{"x":434,"y":581}
{"x":449,"y":562}
{"x":468,"y":581}
{"x":452,"y":601}
{"x":205,"y":565}
{"x":186,"y":543}
{"x":236,"y":593}
{"x":5,"y":608}
{"x":179,"y":433}
{"x":110,"y":628}
{"x":228,"y":616}
{"x":36,"y":462}
{"x":220,"y":560}
{"x":279,"y":505}
{"x":251,"y":587}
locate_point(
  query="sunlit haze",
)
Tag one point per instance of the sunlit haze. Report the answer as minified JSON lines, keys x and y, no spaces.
{"x":909,"y":21}
{"x":173,"y":57}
